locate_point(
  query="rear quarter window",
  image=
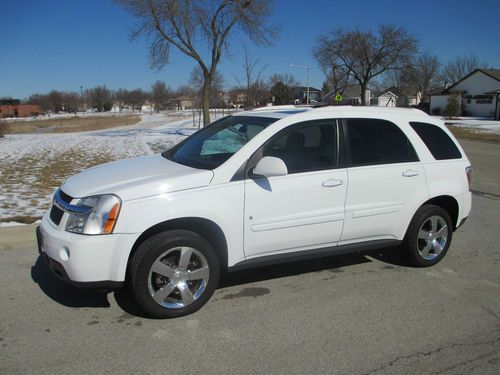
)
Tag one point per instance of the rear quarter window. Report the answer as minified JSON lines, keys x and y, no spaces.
{"x":437,"y":141}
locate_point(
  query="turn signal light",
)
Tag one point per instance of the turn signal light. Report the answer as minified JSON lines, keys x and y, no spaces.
{"x":110,"y":222}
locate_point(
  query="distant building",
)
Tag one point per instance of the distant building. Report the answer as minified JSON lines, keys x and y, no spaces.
{"x":181,"y":103}
{"x":300,"y":95}
{"x":147,"y":107}
{"x":384,"y":99}
{"x":391,"y":97}
{"x":14,"y":108}
{"x":351,"y":95}
{"x":478,"y":93}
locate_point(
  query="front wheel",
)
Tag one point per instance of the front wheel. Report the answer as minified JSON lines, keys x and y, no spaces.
{"x":174,"y":273}
{"x":428,"y":236}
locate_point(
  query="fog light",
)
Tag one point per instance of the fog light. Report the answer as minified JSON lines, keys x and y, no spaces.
{"x":64,"y":253}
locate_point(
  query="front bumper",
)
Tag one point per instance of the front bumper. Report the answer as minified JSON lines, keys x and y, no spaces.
{"x":85,"y":261}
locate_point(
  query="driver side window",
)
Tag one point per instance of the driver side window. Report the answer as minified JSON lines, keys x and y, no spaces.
{"x":306,"y":147}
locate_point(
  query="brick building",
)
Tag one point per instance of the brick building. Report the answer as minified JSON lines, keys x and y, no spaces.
{"x":13,"y":108}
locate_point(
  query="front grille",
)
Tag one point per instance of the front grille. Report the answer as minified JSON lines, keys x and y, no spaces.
{"x":56,"y":214}
{"x":65,"y":197}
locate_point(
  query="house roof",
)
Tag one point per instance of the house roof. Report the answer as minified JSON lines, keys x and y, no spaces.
{"x":391,"y":91}
{"x":387,"y":92}
{"x":304,"y":88}
{"x":493,"y":73}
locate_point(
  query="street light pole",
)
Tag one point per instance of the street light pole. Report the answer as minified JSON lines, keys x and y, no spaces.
{"x":81,"y":97}
{"x":308,"y":76}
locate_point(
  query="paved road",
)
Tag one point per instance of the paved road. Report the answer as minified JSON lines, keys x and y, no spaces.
{"x":363,"y":314}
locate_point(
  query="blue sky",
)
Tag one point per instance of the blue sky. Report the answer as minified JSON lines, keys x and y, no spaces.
{"x":62,"y":44}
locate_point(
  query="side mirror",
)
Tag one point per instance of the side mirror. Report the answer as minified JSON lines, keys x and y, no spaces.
{"x":270,"y":166}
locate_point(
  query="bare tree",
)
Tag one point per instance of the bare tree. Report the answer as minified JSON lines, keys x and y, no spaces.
{"x":459,"y":67}
{"x":337,"y":78}
{"x":197,"y":80}
{"x":100,"y":98}
{"x":252,"y":82}
{"x":136,"y":98}
{"x":366,"y":54}
{"x":286,"y":79}
{"x":421,"y":76}
{"x":425,"y":73}
{"x":159,"y":95}
{"x":282,"y":94}
{"x":191,"y":26}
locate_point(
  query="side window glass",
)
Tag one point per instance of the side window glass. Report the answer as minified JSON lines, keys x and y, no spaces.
{"x":374,"y":141}
{"x":437,"y":141}
{"x":305,"y":148}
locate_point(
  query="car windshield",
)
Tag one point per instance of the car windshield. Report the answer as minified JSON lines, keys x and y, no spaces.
{"x":214,"y":144}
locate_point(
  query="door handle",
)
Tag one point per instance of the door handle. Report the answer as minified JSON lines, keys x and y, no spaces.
{"x":410,"y":173}
{"x":332,"y":182}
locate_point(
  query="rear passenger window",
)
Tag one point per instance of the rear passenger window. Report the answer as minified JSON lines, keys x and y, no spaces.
{"x":437,"y":141}
{"x":374,"y":141}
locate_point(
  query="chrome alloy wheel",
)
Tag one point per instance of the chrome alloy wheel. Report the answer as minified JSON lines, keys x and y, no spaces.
{"x":432,"y":237}
{"x":178,"y":277}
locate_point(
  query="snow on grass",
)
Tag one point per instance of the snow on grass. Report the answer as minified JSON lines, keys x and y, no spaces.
{"x":476,"y":123}
{"x":56,"y":116}
{"x":32,"y":166}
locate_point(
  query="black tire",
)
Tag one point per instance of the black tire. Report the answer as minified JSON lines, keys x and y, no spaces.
{"x":415,"y":247}
{"x":150,"y":251}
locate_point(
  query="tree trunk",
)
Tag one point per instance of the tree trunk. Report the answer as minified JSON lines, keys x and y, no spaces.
{"x":363,"y":93}
{"x":205,"y":99}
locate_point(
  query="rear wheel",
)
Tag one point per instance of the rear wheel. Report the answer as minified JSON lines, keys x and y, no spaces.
{"x":174,"y":273}
{"x":428,"y":236}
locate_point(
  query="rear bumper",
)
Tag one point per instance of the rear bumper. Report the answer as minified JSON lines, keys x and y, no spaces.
{"x":464,"y":204}
{"x":85,"y":261}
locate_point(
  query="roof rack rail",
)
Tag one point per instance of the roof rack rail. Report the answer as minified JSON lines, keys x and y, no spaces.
{"x":274,"y":108}
{"x":321,"y":104}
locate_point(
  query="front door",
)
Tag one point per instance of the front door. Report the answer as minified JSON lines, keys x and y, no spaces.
{"x":304,"y":209}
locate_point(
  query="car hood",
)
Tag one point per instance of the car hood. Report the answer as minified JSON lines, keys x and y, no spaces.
{"x":136,"y":178}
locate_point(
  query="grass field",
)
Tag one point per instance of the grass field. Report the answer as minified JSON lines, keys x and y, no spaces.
{"x":68,"y":125}
{"x":35,"y":163}
{"x":474,"y":135}
{"x":30,"y":181}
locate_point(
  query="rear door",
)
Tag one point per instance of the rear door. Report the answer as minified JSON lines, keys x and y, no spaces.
{"x":304,"y":209}
{"x":386,"y":180}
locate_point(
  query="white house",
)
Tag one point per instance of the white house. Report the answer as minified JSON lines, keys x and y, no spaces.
{"x":478,"y":94}
{"x":385,"y":99}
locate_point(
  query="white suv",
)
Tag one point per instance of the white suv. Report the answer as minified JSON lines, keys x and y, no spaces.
{"x":266,"y":186}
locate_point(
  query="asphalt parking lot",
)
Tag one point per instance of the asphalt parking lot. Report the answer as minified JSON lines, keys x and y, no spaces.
{"x":362,"y":314}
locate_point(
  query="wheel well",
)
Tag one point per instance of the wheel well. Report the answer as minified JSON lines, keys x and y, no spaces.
{"x":448,"y":203}
{"x":204,"y":227}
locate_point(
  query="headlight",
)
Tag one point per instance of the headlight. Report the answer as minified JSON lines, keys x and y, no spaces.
{"x":100,"y":218}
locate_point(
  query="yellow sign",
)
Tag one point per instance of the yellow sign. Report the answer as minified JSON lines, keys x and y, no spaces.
{"x":338,"y":98}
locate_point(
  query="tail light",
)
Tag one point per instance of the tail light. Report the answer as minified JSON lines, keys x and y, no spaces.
{"x":468,"y":172}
